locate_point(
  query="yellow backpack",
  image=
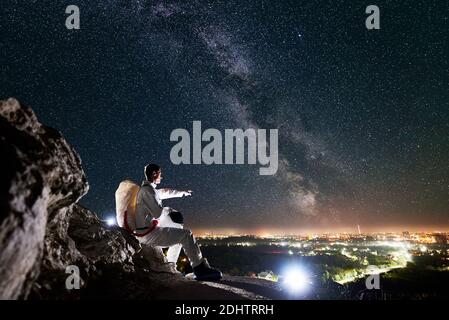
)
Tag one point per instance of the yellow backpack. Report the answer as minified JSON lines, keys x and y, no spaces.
{"x":125,"y":209}
{"x":125,"y":204}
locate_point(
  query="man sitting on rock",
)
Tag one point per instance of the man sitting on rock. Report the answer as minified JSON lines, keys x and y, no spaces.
{"x":149,"y":206}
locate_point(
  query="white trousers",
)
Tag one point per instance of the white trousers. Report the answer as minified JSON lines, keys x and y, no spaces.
{"x":172,"y":235}
{"x":174,"y":250}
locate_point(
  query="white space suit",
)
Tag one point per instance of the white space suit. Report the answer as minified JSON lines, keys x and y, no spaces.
{"x":168,"y":233}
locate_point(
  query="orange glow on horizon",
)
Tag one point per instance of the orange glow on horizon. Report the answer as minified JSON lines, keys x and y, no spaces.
{"x":264,"y":232}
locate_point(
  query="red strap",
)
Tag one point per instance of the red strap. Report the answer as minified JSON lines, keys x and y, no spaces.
{"x":154,"y":223}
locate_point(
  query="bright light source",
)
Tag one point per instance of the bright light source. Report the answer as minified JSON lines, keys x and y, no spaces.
{"x":295,"y":279}
{"x":110,"y":221}
{"x":408,"y":257}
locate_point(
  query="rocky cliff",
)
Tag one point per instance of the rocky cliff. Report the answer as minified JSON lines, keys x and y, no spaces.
{"x":41,"y":178}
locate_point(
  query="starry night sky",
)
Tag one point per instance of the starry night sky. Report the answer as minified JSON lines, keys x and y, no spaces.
{"x":363,"y":116}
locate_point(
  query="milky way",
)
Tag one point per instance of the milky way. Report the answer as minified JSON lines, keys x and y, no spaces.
{"x":363,"y":116}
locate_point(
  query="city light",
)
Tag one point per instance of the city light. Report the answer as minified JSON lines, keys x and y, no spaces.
{"x":295,"y":279}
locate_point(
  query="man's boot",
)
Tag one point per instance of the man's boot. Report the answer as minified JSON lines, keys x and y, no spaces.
{"x":204,"y":272}
{"x":172,"y":267}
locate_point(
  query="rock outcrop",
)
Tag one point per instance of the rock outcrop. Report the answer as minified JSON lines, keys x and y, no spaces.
{"x":41,"y":176}
{"x":45,"y":233}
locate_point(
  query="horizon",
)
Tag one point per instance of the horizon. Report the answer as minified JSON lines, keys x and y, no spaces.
{"x":202,"y":233}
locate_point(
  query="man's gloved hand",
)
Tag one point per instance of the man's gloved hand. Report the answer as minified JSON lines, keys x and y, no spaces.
{"x":176,"y":217}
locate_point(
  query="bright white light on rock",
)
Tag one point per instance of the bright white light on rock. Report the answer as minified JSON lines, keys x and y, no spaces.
{"x":295,"y":279}
{"x":110,"y":221}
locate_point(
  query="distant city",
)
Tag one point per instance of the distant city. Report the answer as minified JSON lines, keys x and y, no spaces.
{"x":415,"y":237}
{"x":342,"y":258}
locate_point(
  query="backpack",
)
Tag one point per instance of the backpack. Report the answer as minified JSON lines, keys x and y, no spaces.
{"x":125,"y":208}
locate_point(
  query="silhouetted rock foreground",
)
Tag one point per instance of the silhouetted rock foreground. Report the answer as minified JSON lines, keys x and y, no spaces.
{"x":43,"y":230}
